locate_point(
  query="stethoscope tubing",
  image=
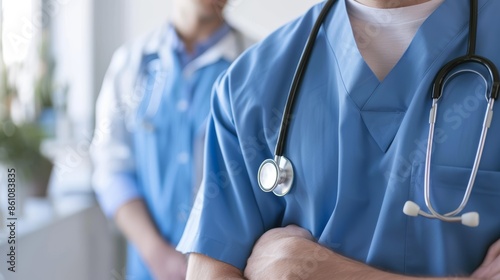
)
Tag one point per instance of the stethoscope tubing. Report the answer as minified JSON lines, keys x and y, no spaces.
{"x":297,"y":78}
{"x":477,"y":160}
{"x":440,"y":81}
{"x":283,"y":167}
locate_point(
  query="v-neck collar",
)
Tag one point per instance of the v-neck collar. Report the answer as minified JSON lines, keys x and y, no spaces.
{"x":382,"y":104}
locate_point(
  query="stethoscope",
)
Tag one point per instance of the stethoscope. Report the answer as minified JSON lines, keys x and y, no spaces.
{"x":276,"y":175}
{"x":159,"y":80}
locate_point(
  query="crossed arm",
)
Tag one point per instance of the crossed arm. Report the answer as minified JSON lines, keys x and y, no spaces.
{"x":291,"y":253}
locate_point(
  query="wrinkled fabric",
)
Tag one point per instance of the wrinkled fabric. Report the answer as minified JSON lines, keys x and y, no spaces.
{"x":357,"y":146}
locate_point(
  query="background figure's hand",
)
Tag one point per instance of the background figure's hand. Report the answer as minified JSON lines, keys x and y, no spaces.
{"x":162,"y":260}
{"x":283,"y":253}
{"x":165,"y":263}
{"x":490,"y":268}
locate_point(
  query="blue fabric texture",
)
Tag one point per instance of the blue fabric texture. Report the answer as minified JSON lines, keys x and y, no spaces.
{"x":357,"y":146}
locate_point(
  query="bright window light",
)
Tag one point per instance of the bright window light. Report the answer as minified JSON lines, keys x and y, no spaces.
{"x":19,"y":28}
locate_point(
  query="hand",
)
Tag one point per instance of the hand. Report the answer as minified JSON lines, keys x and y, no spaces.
{"x":292,"y":253}
{"x":162,"y":259}
{"x":284,"y":253}
{"x":490,"y":268}
{"x":166,"y":263}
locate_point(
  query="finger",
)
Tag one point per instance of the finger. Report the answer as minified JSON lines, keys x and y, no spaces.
{"x":480,"y":273}
{"x":493,"y":253}
{"x":494,"y":271}
{"x":488,"y":271}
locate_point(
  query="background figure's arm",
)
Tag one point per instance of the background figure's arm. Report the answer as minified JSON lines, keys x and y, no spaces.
{"x":202,"y":267}
{"x":163,"y":260}
{"x":114,"y":179}
{"x":291,"y":252}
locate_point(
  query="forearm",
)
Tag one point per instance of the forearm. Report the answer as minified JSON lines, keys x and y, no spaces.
{"x":291,"y":253}
{"x":318,"y":262}
{"x":203,"y":267}
{"x":134,"y":221}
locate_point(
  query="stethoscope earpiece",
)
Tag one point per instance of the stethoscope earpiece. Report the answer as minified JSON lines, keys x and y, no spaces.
{"x":470,"y":219}
{"x":276,"y":175}
{"x":411,"y":208}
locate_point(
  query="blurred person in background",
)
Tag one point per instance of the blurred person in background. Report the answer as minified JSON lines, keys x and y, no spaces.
{"x":150,"y":125}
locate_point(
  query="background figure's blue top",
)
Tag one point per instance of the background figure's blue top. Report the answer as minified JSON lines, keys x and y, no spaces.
{"x":156,"y":127}
{"x":357,"y":146}
{"x":164,"y":158}
{"x":186,"y":57}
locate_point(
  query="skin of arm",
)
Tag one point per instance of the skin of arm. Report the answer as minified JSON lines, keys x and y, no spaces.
{"x":163,"y":261}
{"x":203,"y":267}
{"x":292,"y":253}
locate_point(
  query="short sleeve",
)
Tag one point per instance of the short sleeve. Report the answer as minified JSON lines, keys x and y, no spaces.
{"x":226,"y":219}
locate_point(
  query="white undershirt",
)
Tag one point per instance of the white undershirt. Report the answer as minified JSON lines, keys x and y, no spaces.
{"x":383,"y":35}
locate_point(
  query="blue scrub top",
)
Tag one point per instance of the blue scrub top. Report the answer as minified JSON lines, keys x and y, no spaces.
{"x":357,"y":146}
{"x":165,"y":148}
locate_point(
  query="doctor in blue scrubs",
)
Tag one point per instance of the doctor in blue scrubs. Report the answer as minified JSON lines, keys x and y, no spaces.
{"x":151,"y":118}
{"x":357,"y":140}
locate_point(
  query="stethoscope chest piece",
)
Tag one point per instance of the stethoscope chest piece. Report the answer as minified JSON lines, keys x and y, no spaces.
{"x":276,"y":175}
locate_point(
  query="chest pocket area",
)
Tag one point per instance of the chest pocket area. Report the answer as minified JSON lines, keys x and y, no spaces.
{"x":146,"y":122}
{"x":452,"y":247}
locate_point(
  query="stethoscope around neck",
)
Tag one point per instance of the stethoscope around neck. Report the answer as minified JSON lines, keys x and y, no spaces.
{"x":276,"y":175}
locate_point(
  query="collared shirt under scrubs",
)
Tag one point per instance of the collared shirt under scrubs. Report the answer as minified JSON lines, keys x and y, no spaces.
{"x":357,"y":146}
{"x":152,"y":150}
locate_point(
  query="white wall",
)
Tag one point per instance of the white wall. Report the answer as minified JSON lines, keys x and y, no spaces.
{"x":73,"y":47}
{"x":110,"y":29}
{"x":144,"y":15}
{"x":256,"y":17}
{"x":261,"y":17}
